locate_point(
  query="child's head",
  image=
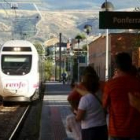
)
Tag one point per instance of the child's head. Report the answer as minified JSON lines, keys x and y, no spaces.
{"x":91,"y":82}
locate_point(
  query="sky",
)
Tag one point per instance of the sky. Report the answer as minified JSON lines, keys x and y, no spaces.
{"x":77,"y":4}
{"x":89,"y":4}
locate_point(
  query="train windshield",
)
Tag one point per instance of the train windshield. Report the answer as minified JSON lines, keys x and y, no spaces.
{"x":16,"y":64}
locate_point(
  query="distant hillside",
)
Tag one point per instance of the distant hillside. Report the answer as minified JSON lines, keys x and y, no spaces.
{"x":28,"y":24}
{"x":69,"y":23}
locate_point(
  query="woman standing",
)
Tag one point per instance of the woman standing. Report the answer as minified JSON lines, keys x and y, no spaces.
{"x":90,"y":112}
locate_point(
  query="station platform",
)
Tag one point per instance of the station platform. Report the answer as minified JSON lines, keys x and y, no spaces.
{"x":55,"y":108}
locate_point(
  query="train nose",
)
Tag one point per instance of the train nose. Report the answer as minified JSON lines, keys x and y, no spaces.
{"x":15,"y":87}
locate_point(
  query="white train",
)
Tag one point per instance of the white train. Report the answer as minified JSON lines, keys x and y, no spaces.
{"x":21,"y":71}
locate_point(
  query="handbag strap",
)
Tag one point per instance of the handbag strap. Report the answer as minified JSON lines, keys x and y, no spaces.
{"x":97,"y":98}
{"x":105,"y":111}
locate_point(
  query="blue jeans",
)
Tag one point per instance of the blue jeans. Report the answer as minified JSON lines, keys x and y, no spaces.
{"x":116,"y":138}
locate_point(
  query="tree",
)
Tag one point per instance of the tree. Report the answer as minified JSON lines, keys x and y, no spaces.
{"x":48,"y":65}
{"x":87,"y":29}
{"x":80,"y":37}
{"x":48,"y":69}
{"x":39,"y":48}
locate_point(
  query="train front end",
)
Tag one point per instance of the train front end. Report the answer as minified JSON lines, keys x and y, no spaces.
{"x":19,"y":76}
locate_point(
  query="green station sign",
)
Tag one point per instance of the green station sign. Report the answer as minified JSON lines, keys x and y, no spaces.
{"x":119,"y":20}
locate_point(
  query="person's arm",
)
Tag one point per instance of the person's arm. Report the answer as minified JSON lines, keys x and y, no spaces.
{"x":68,"y":128}
{"x":105,"y":99}
{"x":82,"y":108}
{"x":80,"y":114}
{"x":134,"y":100}
{"x":81,"y":91}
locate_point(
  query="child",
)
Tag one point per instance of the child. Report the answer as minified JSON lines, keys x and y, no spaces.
{"x":71,"y":124}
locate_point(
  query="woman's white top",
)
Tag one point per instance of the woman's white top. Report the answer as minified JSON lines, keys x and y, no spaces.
{"x":94,"y":115}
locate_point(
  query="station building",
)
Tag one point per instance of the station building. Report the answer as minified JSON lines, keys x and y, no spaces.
{"x":117,"y":42}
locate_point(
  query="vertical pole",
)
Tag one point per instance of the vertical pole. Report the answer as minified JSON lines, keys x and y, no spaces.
{"x":106,"y":5}
{"x":78,"y":70}
{"x":55,"y":62}
{"x":107,"y":49}
{"x":78,"y":60}
{"x":107,"y":57}
{"x":87,"y":52}
{"x":71,"y":64}
{"x":60,"y":35}
{"x":71,"y":67}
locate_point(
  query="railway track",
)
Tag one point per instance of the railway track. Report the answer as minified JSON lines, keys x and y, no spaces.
{"x":11,"y":119}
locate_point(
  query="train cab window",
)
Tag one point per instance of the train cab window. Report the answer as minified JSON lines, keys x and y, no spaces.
{"x":16,"y":64}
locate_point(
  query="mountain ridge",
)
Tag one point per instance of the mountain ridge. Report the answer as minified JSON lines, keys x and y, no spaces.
{"x":69,"y":23}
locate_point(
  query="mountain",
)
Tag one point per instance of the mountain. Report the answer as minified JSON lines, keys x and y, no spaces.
{"x":42,"y":19}
{"x":29,"y":24}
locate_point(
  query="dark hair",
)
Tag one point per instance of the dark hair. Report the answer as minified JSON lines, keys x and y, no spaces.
{"x":91,"y":82}
{"x":88,"y":69}
{"x":123,"y":61}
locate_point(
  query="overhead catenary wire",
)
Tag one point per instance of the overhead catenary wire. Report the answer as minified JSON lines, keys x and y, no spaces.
{"x":7,"y":2}
{"x":1,"y":4}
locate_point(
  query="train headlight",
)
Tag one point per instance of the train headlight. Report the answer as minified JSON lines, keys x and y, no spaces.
{"x":17,"y":49}
{"x":8,"y":73}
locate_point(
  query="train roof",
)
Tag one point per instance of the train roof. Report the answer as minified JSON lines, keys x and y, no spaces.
{"x":17,"y":43}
